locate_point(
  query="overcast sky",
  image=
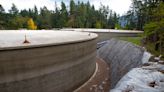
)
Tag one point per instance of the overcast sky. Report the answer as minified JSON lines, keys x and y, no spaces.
{"x":120,"y":6}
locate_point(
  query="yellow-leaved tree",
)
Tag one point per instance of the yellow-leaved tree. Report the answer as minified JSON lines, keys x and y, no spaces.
{"x":31,"y":25}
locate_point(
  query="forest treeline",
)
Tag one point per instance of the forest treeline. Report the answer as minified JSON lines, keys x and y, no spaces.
{"x":148,"y":15}
{"x":78,"y":15}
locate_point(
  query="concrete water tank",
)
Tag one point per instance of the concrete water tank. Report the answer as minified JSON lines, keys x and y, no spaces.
{"x":52,"y":61}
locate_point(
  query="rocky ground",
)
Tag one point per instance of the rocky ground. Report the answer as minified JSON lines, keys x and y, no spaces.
{"x":147,"y":78}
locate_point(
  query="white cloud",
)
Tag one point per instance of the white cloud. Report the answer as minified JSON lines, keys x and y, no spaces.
{"x":120,"y":6}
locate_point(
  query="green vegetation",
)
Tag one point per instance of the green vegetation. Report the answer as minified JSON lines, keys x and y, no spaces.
{"x":138,"y":41}
{"x":154,"y":30}
{"x":150,"y":47}
{"x":134,"y":40}
{"x":79,"y":15}
{"x":148,"y":15}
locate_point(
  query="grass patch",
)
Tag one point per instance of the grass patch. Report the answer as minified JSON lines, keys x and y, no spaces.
{"x":134,"y":40}
{"x":150,"y":47}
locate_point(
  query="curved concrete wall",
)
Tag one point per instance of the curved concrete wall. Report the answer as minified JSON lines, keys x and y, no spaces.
{"x":56,"y":68}
{"x":107,"y":34}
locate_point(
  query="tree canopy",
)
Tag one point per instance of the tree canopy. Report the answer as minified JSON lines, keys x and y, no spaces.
{"x":148,"y":15}
{"x":76,"y":15}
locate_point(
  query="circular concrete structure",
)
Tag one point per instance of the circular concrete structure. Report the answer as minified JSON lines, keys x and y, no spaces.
{"x":53,"y":61}
{"x":107,"y":34}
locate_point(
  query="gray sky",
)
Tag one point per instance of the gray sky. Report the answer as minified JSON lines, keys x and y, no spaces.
{"x":119,"y":6}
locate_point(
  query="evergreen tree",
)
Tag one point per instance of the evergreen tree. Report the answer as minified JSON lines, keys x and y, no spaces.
{"x":80,"y":15}
{"x":72,"y":17}
{"x":2,"y":22}
{"x":14,"y":10}
{"x":63,"y":15}
{"x":35,"y":15}
{"x":55,"y":19}
{"x":35,"y":10}
{"x":155,"y":28}
{"x":45,"y":18}
{"x":2,"y":10}
{"x":72,"y":7}
{"x":24,"y":13}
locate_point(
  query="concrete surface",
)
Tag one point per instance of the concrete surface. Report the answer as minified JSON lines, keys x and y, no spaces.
{"x":101,"y":30}
{"x":46,"y":64}
{"x":14,"y":39}
{"x":107,"y":34}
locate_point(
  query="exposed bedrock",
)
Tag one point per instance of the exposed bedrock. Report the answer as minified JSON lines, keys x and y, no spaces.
{"x":122,"y":56}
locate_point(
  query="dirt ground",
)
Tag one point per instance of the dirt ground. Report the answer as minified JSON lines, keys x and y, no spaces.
{"x":101,"y":81}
